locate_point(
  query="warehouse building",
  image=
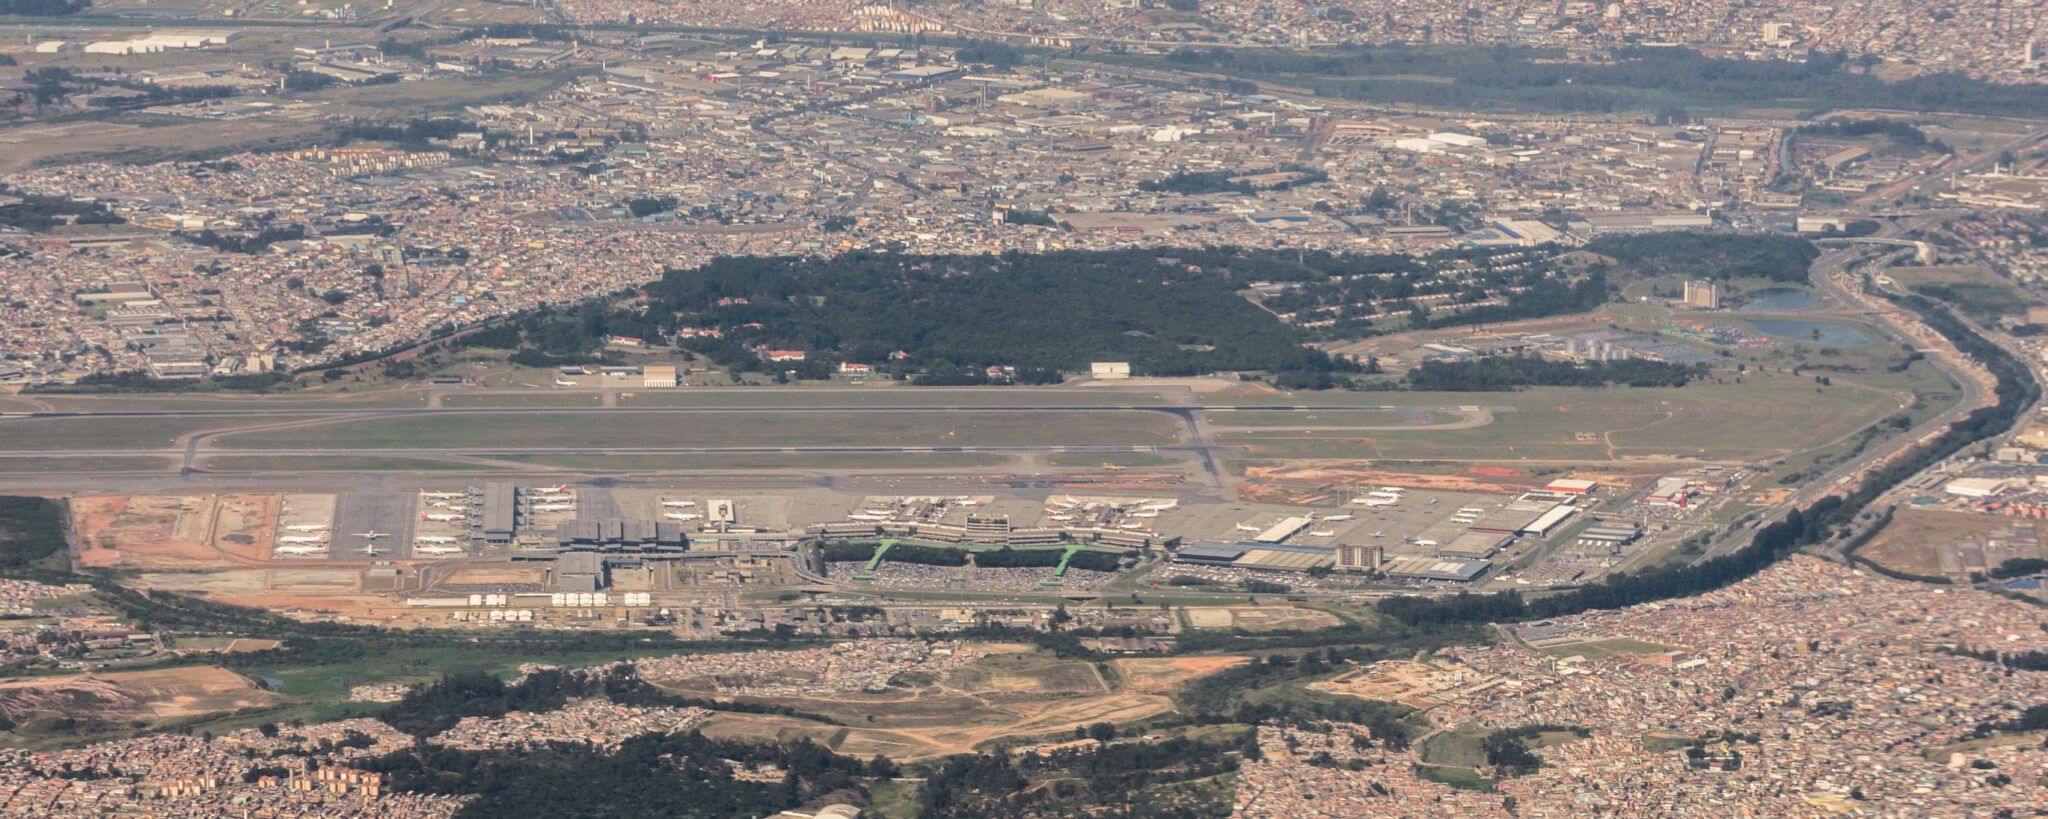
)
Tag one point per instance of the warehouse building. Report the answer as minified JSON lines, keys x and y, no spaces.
{"x":1277,"y":558}
{"x":1475,"y":545}
{"x":1616,"y":535}
{"x":1548,"y":522}
{"x":1520,"y":515}
{"x":1429,"y":568}
{"x":1975,"y":487}
{"x":1211,"y":554}
{"x":581,"y":572}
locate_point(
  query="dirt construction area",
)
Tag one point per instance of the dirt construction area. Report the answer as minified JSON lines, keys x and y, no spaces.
{"x":174,"y":692}
{"x":173,"y":531}
{"x":281,"y":590}
{"x":1349,"y":474}
{"x":1418,"y":685}
{"x":999,"y":697}
{"x":1159,"y":675}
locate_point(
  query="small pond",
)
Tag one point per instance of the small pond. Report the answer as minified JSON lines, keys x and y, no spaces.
{"x":1830,"y":335}
{"x":1778,"y":300}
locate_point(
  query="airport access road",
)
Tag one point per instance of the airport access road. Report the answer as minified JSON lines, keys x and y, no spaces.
{"x":1824,"y":273}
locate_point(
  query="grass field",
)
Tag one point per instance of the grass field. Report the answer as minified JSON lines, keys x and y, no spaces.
{"x":13,"y":465}
{"x":752,"y":429}
{"x":338,"y":463}
{"x":1980,"y":293}
{"x":990,"y":702}
{"x":1332,"y":418}
{"x":891,"y":396}
{"x":771,"y":460}
{"x":143,"y":138}
{"x":286,"y":402}
{"x":1458,"y":752}
{"x":116,"y":433}
{"x":1712,"y":420}
{"x":1456,"y":777}
{"x":1910,"y":543}
{"x":331,"y":683}
{"x":1111,"y":458}
{"x":536,"y":399}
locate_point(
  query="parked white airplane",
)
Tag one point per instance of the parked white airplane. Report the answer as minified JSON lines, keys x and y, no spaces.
{"x":678,"y":504}
{"x":1247,"y":528}
{"x":693,"y":516}
{"x":1338,"y":517}
{"x":1394,"y":489}
{"x":552,"y":498}
{"x":437,"y":550}
{"x":440,"y":517}
{"x":562,"y":488}
{"x":1323,"y":533}
{"x":1144,"y":514}
{"x":302,"y":539}
{"x":372,"y":534}
{"x":371,"y":550}
{"x":426,"y":494}
{"x":1160,"y":506}
{"x":554,"y":507}
{"x":308,"y":527}
{"x":300,"y":550}
{"x":1379,"y":534}
{"x":433,"y":539}
{"x":561,"y":383}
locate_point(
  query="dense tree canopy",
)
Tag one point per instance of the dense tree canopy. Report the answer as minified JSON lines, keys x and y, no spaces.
{"x":1510,"y":372}
{"x":1158,"y":310}
{"x":1711,"y":255}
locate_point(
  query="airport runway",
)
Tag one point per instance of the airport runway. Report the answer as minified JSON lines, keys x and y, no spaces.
{"x":188,"y":457}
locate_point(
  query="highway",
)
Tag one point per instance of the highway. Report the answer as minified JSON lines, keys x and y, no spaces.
{"x":1823,"y":273}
